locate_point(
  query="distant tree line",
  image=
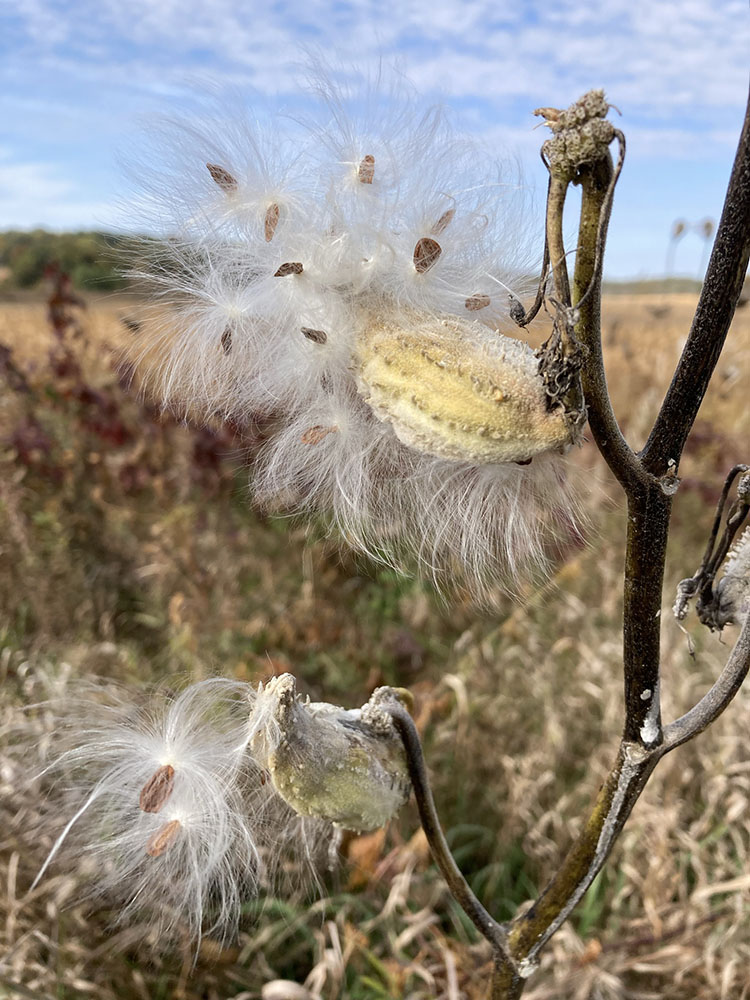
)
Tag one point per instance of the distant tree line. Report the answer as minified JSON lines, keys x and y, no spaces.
{"x":95,"y":261}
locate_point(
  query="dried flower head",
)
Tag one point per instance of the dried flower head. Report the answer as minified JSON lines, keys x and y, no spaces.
{"x":297,"y":269}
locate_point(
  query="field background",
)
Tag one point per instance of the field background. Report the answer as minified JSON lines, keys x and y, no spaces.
{"x":128,"y":551}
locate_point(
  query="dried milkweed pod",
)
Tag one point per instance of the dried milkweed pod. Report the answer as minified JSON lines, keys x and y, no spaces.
{"x":453,"y":388}
{"x":733,"y":590}
{"x":344,"y":766}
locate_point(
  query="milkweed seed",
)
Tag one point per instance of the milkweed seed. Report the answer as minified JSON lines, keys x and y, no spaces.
{"x":443,"y":222}
{"x":317,"y":336}
{"x":226,"y":341}
{"x":426,"y":253}
{"x":158,"y":843}
{"x":271,"y":221}
{"x":476,"y":302}
{"x":157,"y":789}
{"x":222,"y":177}
{"x":314,"y":435}
{"x":366,"y":170}
{"x":292,"y":267}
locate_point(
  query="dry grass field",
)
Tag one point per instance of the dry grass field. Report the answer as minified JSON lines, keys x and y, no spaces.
{"x":128,"y":552}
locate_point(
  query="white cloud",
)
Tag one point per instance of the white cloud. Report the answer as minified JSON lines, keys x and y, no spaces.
{"x":34,"y":194}
{"x":75,"y":72}
{"x":653,"y":57}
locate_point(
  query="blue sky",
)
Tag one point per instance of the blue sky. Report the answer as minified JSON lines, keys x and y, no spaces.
{"x":76,"y":76}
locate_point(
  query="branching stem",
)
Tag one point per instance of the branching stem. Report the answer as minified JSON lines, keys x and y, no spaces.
{"x":725,"y":275}
{"x":649,"y":481}
{"x":459,"y":887}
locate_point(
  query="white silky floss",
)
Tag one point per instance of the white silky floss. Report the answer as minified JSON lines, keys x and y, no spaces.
{"x":183,"y":809}
{"x":345,"y":289}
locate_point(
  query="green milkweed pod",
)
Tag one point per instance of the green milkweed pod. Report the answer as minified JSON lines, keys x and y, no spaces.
{"x":347,"y":767}
{"x":454,"y":388}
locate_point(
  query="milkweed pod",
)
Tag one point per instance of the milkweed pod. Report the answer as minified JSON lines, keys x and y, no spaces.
{"x":454,"y":388}
{"x":344,"y":766}
{"x":733,"y":590}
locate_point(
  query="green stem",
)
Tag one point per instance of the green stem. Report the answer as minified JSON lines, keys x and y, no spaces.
{"x":595,"y":181}
{"x":558,"y":189}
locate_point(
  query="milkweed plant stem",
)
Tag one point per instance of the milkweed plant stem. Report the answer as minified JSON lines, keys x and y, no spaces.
{"x":649,"y":481}
{"x":347,"y":329}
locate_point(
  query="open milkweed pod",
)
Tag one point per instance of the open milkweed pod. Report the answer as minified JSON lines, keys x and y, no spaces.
{"x":455,"y":389}
{"x":337,"y":292}
{"x":733,"y":590}
{"x":344,"y":766}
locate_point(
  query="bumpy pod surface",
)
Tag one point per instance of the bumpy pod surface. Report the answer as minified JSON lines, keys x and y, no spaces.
{"x":344,"y":766}
{"x":454,"y":389}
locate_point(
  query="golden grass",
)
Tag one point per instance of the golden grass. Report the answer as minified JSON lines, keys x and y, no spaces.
{"x":521,"y":711}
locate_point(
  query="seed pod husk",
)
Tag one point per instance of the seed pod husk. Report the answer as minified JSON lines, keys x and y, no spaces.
{"x":455,"y":389}
{"x":344,"y":766}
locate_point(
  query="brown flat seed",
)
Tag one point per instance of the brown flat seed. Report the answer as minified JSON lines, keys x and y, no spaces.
{"x":222,"y":177}
{"x":366,"y":170}
{"x":426,"y":253}
{"x":158,"y":842}
{"x":317,"y":336}
{"x":271,"y":221}
{"x":157,"y":789}
{"x":292,"y":267}
{"x":444,"y":221}
{"x":475,"y":302}
{"x":314,"y":435}
{"x":226,"y":341}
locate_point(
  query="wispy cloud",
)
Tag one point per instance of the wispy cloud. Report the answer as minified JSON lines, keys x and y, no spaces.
{"x":34,"y":194}
{"x":689,"y":54}
{"x":677,"y":68}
